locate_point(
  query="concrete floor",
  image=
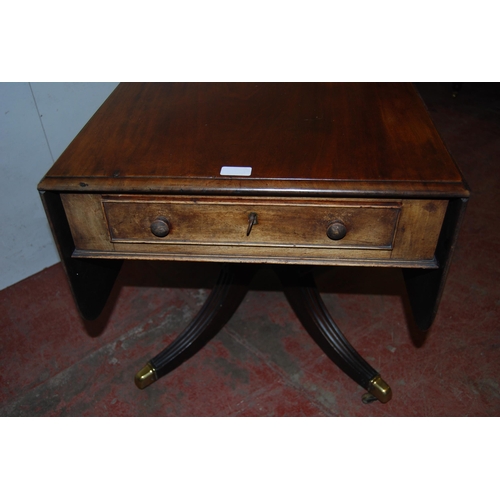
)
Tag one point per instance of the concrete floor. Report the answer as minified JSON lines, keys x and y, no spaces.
{"x":263,"y":363}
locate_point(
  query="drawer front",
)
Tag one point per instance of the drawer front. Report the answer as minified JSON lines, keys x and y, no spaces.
{"x":367,"y":225}
{"x":394,"y":233}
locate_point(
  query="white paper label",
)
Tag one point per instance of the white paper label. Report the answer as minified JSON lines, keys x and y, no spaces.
{"x":239,"y":171}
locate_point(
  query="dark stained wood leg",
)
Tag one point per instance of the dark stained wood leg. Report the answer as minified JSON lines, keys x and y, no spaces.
{"x":301,"y":292}
{"x":425,"y":286}
{"x":226,"y":296}
{"x":91,"y":280}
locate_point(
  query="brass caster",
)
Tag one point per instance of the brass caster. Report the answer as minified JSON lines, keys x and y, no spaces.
{"x":378,"y":390}
{"x":145,"y":377}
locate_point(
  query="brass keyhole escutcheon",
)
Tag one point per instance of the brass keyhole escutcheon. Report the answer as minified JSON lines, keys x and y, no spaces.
{"x":252,"y":220}
{"x":160,"y":227}
{"x":336,"y":230}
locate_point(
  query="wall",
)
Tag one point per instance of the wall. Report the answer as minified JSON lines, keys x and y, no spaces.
{"x":37,"y":122}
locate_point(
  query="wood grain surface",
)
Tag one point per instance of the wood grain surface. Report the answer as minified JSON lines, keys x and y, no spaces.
{"x":395,"y":233}
{"x":311,"y":139}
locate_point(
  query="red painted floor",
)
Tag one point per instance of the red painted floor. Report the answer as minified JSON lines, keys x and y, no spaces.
{"x":263,"y":363}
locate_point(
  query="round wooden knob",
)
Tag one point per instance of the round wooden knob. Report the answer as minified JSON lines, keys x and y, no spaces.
{"x":160,"y":227}
{"x":336,"y":230}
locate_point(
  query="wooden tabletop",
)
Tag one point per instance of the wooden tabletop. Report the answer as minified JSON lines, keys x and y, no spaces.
{"x":370,"y":139}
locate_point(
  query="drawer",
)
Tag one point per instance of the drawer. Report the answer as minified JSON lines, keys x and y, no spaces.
{"x":395,"y":233}
{"x":282,"y":223}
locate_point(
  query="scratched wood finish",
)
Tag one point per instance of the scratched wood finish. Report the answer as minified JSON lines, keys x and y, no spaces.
{"x":219,"y":221}
{"x":311,"y":138}
{"x":210,"y":228}
{"x":418,"y":228}
{"x":87,"y":222}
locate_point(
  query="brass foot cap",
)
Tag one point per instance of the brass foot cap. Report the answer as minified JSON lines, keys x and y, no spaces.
{"x":145,"y":377}
{"x":380,"y":389}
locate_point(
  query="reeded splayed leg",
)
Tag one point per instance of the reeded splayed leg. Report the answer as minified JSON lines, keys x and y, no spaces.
{"x":301,"y":292}
{"x":226,"y":296}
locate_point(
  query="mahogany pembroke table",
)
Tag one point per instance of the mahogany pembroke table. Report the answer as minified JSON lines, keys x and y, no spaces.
{"x":285,"y":174}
